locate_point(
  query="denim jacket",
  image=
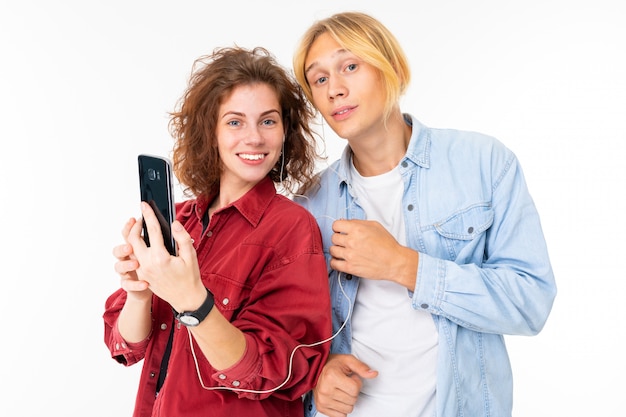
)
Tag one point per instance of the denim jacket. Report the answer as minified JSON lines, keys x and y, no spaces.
{"x":483,"y":270}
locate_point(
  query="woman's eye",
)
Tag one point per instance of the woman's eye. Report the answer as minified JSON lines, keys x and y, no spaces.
{"x":269,"y":122}
{"x":321,"y":80}
{"x":233,"y":123}
{"x":351,"y":67}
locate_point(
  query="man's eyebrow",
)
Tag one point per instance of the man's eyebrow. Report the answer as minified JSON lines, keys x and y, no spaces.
{"x":315,"y":63}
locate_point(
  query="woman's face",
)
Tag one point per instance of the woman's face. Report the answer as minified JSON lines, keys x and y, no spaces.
{"x":249,"y":136}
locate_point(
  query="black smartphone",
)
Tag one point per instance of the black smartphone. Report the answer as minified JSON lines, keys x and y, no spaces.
{"x":157,"y":189}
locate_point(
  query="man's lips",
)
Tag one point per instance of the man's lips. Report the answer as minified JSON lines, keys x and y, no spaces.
{"x":342,"y":112}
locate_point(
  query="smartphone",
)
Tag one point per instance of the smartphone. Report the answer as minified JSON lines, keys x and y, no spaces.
{"x":157,"y":189}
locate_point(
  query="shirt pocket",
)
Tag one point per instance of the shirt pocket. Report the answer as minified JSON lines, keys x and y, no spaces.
{"x":230,"y":294}
{"x":462,"y":234}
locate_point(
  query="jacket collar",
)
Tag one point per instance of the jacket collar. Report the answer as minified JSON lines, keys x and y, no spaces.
{"x":417,"y":152}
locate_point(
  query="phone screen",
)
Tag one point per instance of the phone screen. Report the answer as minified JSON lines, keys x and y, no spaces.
{"x":156,"y":186}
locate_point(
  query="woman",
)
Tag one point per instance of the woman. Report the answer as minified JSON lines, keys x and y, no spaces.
{"x":235,"y":324}
{"x":434,"y":227}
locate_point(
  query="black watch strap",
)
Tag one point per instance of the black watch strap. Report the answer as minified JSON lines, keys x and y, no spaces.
{"x":193,"y":318}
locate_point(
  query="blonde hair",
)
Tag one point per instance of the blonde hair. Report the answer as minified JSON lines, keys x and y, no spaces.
{"x":368,"y":39}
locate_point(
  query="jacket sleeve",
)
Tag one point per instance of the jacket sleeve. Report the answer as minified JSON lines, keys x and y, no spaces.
{"x":509,"y":287}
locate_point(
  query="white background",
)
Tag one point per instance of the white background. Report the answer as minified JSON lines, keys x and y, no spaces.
{"x":86,"y":85}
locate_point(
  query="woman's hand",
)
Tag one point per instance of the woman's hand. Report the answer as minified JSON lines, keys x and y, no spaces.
{"x":175,"y":279}
{"x":126,"y":266}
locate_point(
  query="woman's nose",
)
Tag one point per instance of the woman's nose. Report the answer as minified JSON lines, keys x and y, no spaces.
{"x":253,"y":136}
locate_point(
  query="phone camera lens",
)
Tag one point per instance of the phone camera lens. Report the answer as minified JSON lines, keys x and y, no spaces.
{"x":151,"y":174}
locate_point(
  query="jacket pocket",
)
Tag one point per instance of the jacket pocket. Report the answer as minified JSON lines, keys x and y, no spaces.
{"x":462,"y":234}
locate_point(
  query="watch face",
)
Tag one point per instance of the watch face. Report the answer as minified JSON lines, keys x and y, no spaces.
{"x":189,"y":321}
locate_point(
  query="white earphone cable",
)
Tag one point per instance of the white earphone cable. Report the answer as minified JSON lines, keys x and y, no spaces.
{"x":193,"y":353}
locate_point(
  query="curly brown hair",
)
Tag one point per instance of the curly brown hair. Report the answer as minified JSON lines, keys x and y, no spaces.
{"x":195,"y":157}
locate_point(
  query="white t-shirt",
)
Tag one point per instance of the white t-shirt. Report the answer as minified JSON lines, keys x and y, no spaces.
{"x":387,"y":333}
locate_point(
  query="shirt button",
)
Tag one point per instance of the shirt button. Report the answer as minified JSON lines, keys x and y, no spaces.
{"x":123,"y":345}
{"x":470,"y":229}
{"x":222,"y":376}
{"x":424,"y":306}
{"x":410,"y":207}
{"x":236,"y":383}
{"x":209,"y":234}
{"x":163,"y":326}
{"x":225,"y":301}
{"x":117,"y":346}
{"x":152,"y":374}
{"x":404,"y":164}
{"x":349,"y":277}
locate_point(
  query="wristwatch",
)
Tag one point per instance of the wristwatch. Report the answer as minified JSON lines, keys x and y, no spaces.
{"x":193,"y":318}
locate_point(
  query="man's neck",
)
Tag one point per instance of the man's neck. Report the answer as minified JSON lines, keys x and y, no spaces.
{"x":382,"y":152}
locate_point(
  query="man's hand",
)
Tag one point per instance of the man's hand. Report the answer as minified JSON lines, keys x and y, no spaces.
{"x":366,"y":249}
{"x":339,"y":385}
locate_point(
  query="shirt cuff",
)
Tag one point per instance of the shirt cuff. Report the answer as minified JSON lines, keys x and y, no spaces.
{"x":243,"y":373}
{"x":125,"y":352}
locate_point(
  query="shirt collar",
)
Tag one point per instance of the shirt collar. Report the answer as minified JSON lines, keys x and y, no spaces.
{"x":251,"y":205}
